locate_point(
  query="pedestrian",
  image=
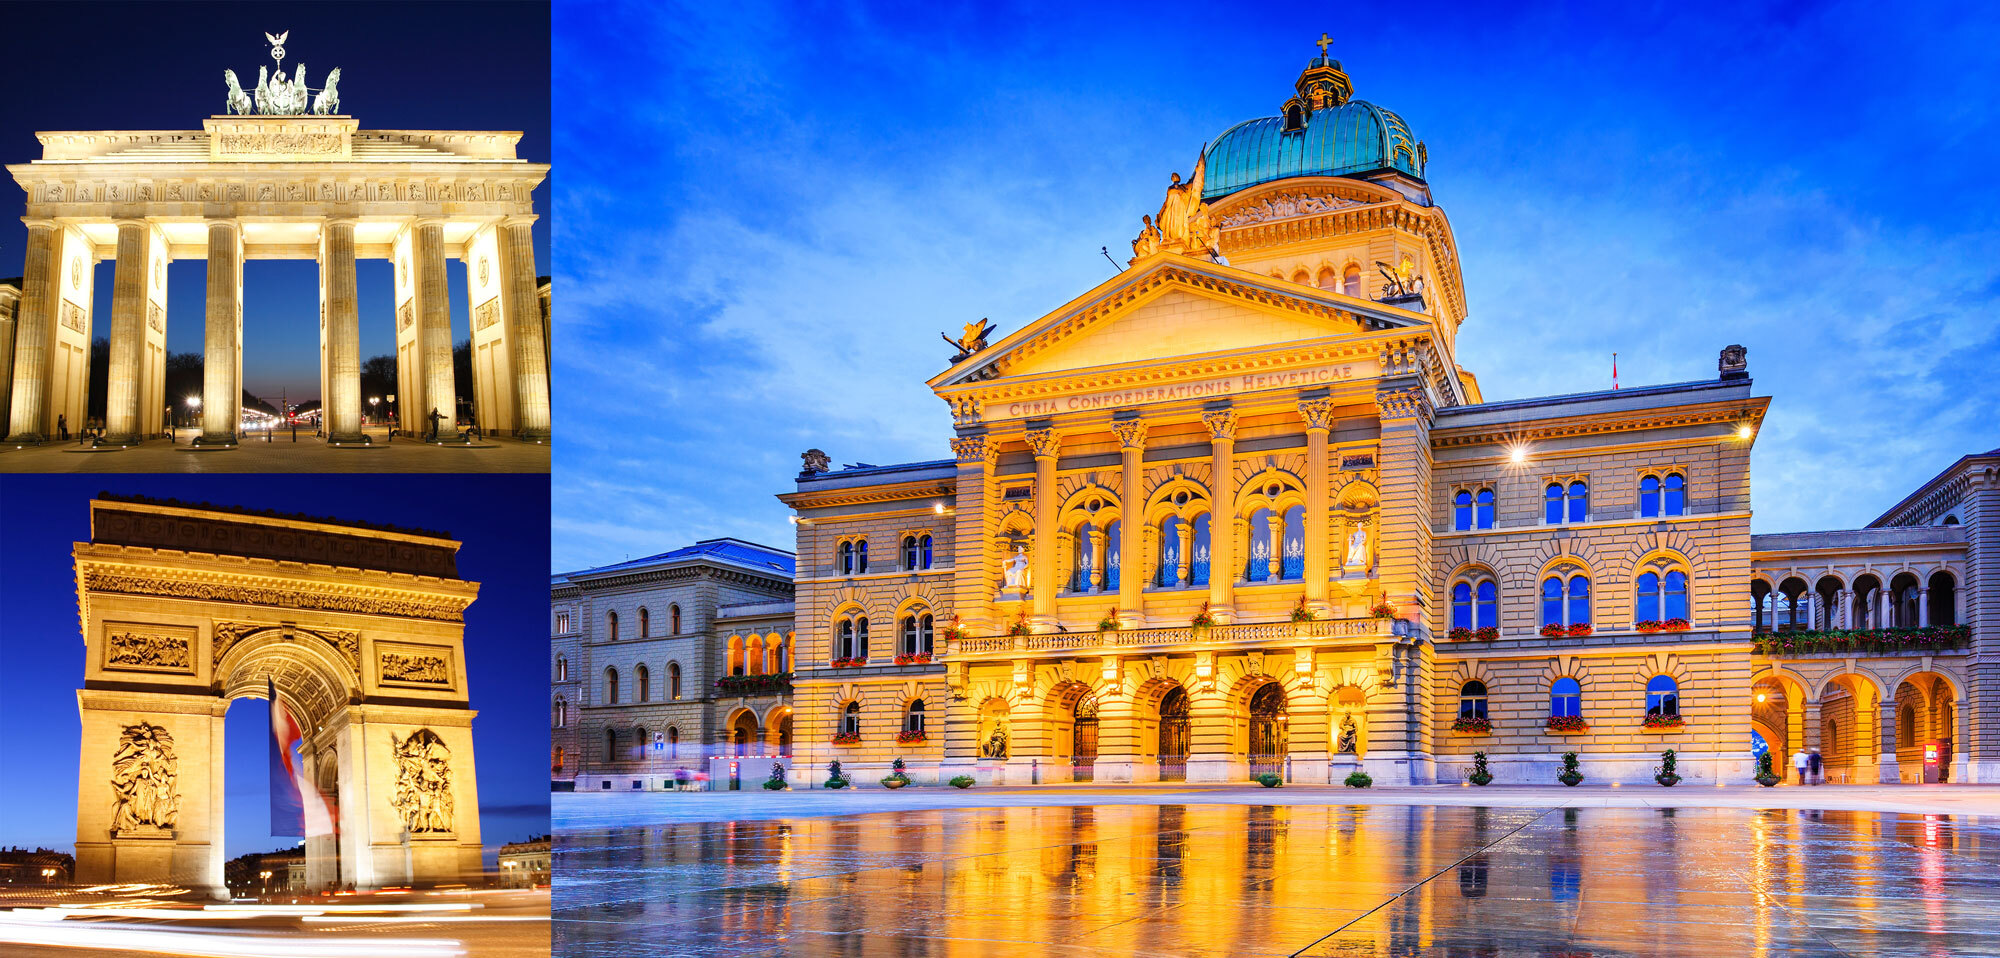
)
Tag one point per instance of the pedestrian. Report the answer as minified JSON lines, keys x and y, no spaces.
{"x":62,"y":427}
{"x":701,"y":780}
{"x":1818,"y":768}
{"x":1799,"y":761}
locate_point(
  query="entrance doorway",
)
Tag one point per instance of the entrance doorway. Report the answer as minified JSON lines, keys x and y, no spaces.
{"x":1173,"y":744}
{"x":1083,"y":741}
{"x":1267,"y":730}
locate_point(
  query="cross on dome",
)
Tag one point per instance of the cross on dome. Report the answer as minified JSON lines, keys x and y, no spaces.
{"x":1324,"y":42}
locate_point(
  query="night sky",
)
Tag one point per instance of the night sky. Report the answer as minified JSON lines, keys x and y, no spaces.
{"x":404,"y":66}
{"x":499,"y":518}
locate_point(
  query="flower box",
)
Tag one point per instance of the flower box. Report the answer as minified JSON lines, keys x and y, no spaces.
{"x":1855,"y":641}
{"x":847,"y":738}
{"x":1472,"y":725}
{"x":1656,"y":625}
{"x":851,"y":663}
{"x":1664,"y":722}
{"x":1554,"y":631}
{"x":910,"y":737}
{"x":1567,"y":724}
{"x":1459,"y":634}
{"x":914,"y":658}
{"x":1486,"y":633}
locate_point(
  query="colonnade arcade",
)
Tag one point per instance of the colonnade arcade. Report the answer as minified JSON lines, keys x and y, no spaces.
{"x":1886,"y":720}
{"x":246,"y":188}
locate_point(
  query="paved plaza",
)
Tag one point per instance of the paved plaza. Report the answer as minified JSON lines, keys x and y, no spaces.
{"x":282,"y":453}
{"x":1172,"y":871}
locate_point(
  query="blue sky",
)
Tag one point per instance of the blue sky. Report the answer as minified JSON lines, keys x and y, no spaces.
{"x":153,"y":66}
{"x":504,"y":628}
{"x":769,"y":213}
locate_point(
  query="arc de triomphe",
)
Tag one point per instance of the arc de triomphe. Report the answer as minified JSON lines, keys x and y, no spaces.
{"x":361,"y":631}
{"x":250,"y":187}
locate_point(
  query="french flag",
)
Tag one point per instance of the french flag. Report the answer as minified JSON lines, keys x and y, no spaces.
{"x":297,"y":808}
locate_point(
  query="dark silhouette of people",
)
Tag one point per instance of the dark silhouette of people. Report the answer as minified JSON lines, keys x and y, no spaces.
{"x":435,"y":417}
{"x":62,"y":427}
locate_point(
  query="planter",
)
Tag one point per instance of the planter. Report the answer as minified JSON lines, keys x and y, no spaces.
{"x":911,"y":738}
{"x":1568,"y":725}
{"x":894,"y":781}
{"x":1862,"y":641}
{"x":1270,"y":780}
{"x":963,"y":781}
{"x":849,"y":663}
{"x":1767,"y":779}
{"x":1359,"y":779}
{"x":847,"y":738}
{"x":1666,"y":723}
{"x":1471,"y":725}
{"x":918,"y":658}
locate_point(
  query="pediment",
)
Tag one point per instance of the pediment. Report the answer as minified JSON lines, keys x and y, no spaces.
{"x":1173,"y":307}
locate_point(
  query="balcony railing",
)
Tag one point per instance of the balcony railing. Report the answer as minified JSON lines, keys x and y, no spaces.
{"x":1252,"y":633}
{"x":776,"y":684}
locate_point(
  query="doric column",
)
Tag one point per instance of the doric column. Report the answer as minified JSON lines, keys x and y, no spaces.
{"x":1318,"y":416}
{"x":1045,"y":444}
{"x":1222,"y":521}
{"x":433,"y":332}
{"x":128,"y":333}
{"x":343,"y":334}
{"x":34,"y":331}
{"x":221,"y":398}
{"x":1131,"y":435}
{"x":531,"y":366}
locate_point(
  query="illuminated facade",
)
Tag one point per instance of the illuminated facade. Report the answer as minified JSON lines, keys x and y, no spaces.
{"x":1239,"y":510}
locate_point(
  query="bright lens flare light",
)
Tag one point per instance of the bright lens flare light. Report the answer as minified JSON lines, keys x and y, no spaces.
{"x":1518,"y":455}
{"x":1744,"y":431}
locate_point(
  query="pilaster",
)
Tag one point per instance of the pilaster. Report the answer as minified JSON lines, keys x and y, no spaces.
{"x":1222,"y":565}
{"x":1131,"y":435}
{"x":1046,"y":444}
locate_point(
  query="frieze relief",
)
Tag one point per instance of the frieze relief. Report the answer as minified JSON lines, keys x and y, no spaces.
{"x":423,"y":799}
{"x":415,"y":669}
{"x":1284,"y":206}
{"x":486,"y":314}
{"x":404,"y":316}
{"x":144,"y":650}
{"x":290,"y":596}
{"x":268,"y":144}
{"x":73,"y":316}
{"x":302,"y":189}
{"x":155,"y":318}
{"x":225,"y":635}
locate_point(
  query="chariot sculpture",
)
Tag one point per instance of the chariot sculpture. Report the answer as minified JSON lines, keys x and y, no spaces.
{"x":277,"y":95}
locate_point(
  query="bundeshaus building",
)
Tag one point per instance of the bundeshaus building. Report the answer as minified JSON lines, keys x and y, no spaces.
{"x":1240,"y":510}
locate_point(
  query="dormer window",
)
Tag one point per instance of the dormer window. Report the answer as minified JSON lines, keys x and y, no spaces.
{"x":1295,"y":118}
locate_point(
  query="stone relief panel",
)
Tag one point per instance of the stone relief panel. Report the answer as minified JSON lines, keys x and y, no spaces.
{"x":141,"y":648}
{"x":72,"y":316}
{"x":423,"y":797}
{"x":486,"y":314}
{"x":145,"y":782}
{"x":1284,"y":205}
{"x":103,"y":581}
{"x":422,"y":668}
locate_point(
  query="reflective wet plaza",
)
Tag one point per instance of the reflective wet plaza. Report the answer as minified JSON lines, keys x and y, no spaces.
{"x":1296,"y":880}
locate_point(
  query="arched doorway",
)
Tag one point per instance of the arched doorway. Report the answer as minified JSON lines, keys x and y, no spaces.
{"x":1925,"y":732}
{"x":1267,"y":730}
{"x":1173,"y":740}
{"x":1083,"y":740}
{"x":742,"y":732}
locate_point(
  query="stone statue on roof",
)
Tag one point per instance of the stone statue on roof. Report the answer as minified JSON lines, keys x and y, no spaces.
{"x":1185,"y":224}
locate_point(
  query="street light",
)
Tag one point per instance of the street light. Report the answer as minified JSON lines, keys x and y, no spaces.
{"x":266,"y":875}
{"x":373,"y":402}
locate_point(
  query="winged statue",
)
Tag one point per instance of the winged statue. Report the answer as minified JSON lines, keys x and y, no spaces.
{"x":973,"y":341}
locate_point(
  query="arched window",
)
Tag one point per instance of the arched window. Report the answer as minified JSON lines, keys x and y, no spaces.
{"x":1328,"y":279}
{"x":1169,"y":574}
{"x":861,"y":638}
{"x":1198,"y":551}
{"x":557,"y":760}
{"x":559,"y":715}
{"x":1906,"y":726}
{"x":1663,"y":696}
{"x":1350,"y":281}
{"x":639,"y":743}
{"x":909,"y":632}
{"x":1943,"y":599}
{"x":1565,"y":698}
{"x":1663,"y":495}
{"x":611,"y":686}
{"x":733,"y":665}
{"x":645,"y":684}
{"x":913,"y":720}
{"x":611,"y":745}
{"x":753,"y":654}
{"x":1302,"y":278}
{"x":1566,"y":603}
{"x":850,"y":719}
{"x":645,"y":623}
{"x":1461,"y":511}
{"x":909,"y":552}
{"x":562,"y":669}
{"x":924,"y":548}
{"x":1472,"y":700}
{"x":674,"y":681}
{"x":861,"y":557}
{"x":1661,"y":597}
{"x":843,"y":643}
{"x":674,"y":619}
{"x":673,"y":742}
{"x":1472,"y":510}
{"x":611,"y":625}
{"x":1475,"y":604}
{"x":846,"y":560}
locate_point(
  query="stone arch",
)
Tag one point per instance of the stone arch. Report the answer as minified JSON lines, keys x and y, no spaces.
{"x":1160,"y":504}
{"x":313,"y":677}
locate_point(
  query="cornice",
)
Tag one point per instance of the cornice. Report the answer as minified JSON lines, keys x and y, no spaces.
{"x":1598,"y":424}
{"x":269,"y":591}
{"x":865,"y":495}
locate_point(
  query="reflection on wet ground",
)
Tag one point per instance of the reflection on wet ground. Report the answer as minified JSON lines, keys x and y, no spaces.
{"x":1298,"y":880}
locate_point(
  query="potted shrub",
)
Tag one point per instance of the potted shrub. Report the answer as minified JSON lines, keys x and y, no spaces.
{"x":1472,"y":725}
{"x":1302,"y":614}
{"x":1110,"y":621}
{"x":1664,"y":773}
{"x":776,"y":782}
{"x":1359,"y":779}
{"x":896,"y":778}
{"x":1203,"y":619}
{"x":1567,"y":724}
{"x":953,"y":632}
{"x":1270,"y":780}
{"x":962,"y":781}
{"x":1382,"y":609}
{"x":1481,"y":775}
{"x":1765,"y":776}
{"x":1570,"y":774}
{"x":834,"y":777}
{"x":1020,"y":626}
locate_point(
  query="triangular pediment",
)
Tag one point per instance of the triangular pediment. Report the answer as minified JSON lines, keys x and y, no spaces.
{"x":1172,"y":307}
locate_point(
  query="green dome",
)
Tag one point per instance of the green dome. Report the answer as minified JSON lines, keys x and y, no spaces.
{"x":1352,"y":138}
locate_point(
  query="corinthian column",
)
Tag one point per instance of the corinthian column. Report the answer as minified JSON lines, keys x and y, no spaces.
{"x":221,"y":398}
{"x":433,"y":333}
{"x":531,"y":365}
{"x":343,"y":334}
{"x":1222,"y":521}
{"x":1132,"y":522}
{"x":1318,"y":416}
{"x":34,"y":327}
{"x":128,"y":334}
{"x":1046,"y":444}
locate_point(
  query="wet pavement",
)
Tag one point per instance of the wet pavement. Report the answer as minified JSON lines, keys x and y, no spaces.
{"x":1317,"y":880}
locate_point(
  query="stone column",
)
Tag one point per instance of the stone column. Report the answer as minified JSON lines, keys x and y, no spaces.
{"x":1402,"y":532}
{"x":343,"y":334}
{"x":531,"y":367}
{"x":221,"y":398}
{"x":1885,"y":609}
{"x":10,"y":304}
{"x":433,"y":333}
{"x":1131,"y":525}
{"x":973,"y":577}
{"x":128,"y":334}
{"x":1046,"y":444}
{"x":1318,"y":416}
{"x":1923,"y":608}
{"x":1222,"y":564}
{"x":34,"y":334}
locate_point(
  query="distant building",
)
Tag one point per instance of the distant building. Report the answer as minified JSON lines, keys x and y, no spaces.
{"x":525,"y":864}
{"x":43,"y":866}
{"x":658,"y":664}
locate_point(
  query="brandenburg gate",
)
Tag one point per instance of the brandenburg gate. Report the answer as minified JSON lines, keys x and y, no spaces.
{"x":283,"y":176}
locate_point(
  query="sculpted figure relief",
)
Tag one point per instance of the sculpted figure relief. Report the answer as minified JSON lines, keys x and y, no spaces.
{"x":1184,"y":224}
{"x":995,"y":745}
{"x":1348,"y":736}
{"x":423,"y":782}
{"x":144,"y":777}
{"x":1357,"y":546}
{"x":1017,"y":571}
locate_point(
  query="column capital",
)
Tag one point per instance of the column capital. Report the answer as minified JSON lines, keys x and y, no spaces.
{"x":229,"y":222}
{"x":137,"y":222}
{"x":519,"y":219}
{"x":332,"y":222}
{"x":971,"y":449}
{"x":1046,"y":443}
{"x":40,"y":223}
{"x":1318,"y":413}
{"x":1131,"y":433}
{"x":1408,"y":403}
{"x":1221,"y":423}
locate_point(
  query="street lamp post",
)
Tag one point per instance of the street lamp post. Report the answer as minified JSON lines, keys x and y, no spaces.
{"x":194,"y":406}
{"x":266,"y":875}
